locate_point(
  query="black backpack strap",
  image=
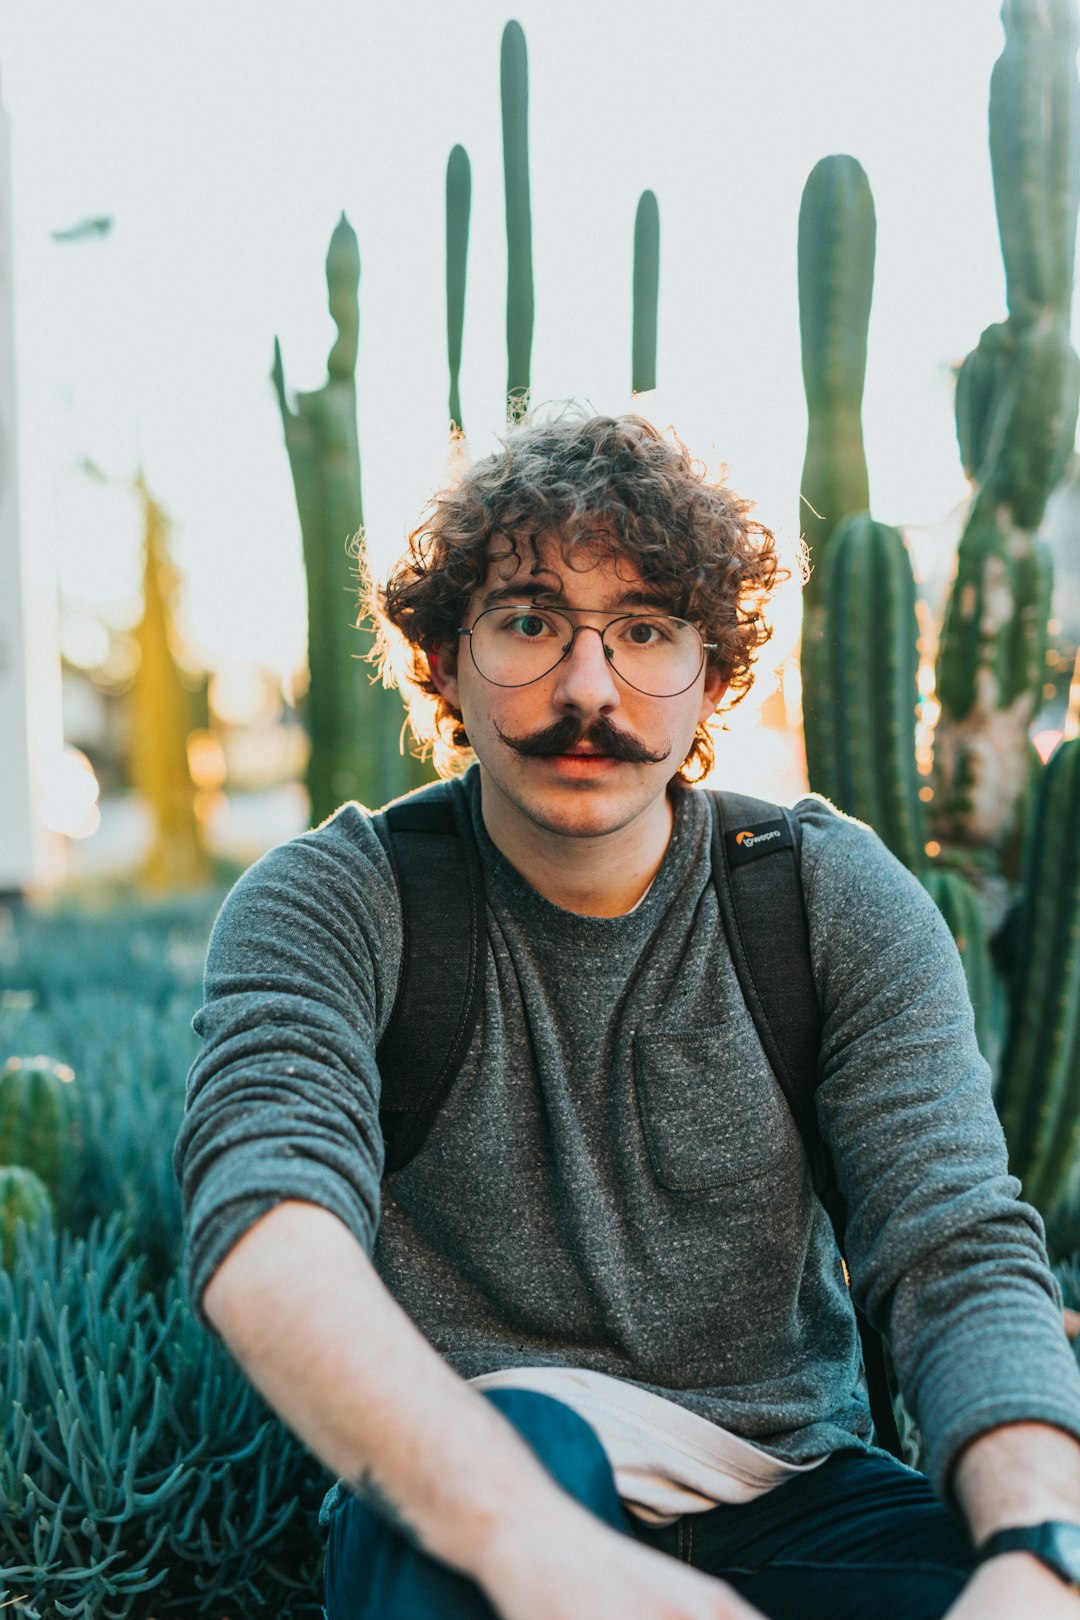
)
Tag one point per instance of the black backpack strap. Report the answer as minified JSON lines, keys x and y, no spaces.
{"x":756,"y":852}
{"x":429,"y":838}
{"x":757,"y":871}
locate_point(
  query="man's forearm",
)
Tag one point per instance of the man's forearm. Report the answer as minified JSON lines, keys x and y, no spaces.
{"x":301,"y":1308}
{"x":1023,"y":1473}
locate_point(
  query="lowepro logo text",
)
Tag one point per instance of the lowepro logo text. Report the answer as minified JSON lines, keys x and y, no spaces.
{"x":747,"y":840}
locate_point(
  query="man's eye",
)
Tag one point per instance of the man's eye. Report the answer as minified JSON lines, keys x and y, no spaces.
{"x":644,"y":632}
{"x":530,"y":625}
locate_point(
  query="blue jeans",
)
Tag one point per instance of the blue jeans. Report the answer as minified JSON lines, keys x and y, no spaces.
{"x":860,"y":1538}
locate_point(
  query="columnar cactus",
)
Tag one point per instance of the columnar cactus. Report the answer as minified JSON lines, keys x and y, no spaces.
{"x":837,"y":236}
{"x":1039,"y":1096}
{"x":1016,"y":411}
{"x":646,"y":293}
{"x":519,"y":273}
{"x":23,"y":1197}
{"x":870,"y":664}
{"x":458,"y":199}
{"x":355,"y":726}
{"x":37,"y":1119}
{"x":837,"y":239}
{"x":1016,"y":421}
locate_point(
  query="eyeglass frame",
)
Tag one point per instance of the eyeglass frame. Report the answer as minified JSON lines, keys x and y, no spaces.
{"x":543,"y":607}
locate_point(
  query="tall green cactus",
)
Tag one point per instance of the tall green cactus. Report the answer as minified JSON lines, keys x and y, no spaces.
{"x":1016,"y":413}
{"x":1016,"y":422}
{"x":871,"y":658}
{"x":38,"y":1124}
{"x":837,"y":237}
{"x":355,"y":726}
{"x":837,"y":234}
{"x":458,"y":200}
{"x":519,"y":272}
{"x":646,"y":293}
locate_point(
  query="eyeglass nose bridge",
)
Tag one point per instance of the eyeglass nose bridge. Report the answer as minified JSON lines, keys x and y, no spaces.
{"x":575,"y":630}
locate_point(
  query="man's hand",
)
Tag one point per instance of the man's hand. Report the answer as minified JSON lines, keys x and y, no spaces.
{"x":576,"y":1566}
{"x":1015,"y":1587}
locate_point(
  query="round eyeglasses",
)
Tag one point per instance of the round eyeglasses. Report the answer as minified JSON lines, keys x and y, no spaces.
{"x":654,"y":653}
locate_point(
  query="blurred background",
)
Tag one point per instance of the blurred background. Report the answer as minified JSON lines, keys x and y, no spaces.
{"x":175,"y":176}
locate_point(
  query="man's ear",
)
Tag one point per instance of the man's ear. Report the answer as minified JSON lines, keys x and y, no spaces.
{"x":715,"y":687}
{"x":442,"y":662}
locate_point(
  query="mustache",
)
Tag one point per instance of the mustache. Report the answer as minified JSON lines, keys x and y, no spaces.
{"x":600,"y":734}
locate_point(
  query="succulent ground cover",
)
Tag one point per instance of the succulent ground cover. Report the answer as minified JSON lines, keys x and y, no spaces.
{"x":140,"y":1475}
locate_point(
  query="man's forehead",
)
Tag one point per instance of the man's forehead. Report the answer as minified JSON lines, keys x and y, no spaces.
{"x":541,"y":568}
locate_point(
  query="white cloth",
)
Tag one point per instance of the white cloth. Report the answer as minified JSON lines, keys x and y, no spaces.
{"x":667,"y":1460}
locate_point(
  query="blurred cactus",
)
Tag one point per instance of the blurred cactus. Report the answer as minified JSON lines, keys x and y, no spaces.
{"x":519,"y":273}
{"x":1016,"y":413}
{"x":355,"y":726}
{"x":1039,"y":1095}
{"x":1016,"y":421}
{"x":161,"y":719}
{"x":646,"y":293}
{"x":458,"y":199}
{"x":24,"y":1198}
{"x":38,"y":1124}
{"x":958,"y":902}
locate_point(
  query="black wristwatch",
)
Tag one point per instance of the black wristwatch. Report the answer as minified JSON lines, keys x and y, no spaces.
{"x":1055,"y":1544}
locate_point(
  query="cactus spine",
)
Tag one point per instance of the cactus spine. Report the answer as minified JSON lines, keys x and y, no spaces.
{"x":458,"y":199}
{"x":23,"y":1197}
{"x":355,"y":726}
{"x":519,"y":273}
{"x":872,"y":668}
{"x":1016,"y":412}
{"x":36,"y":1117}
{"x":646,"y":293}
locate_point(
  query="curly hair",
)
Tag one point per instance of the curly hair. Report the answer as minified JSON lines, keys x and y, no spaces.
{"x":612,"y":486}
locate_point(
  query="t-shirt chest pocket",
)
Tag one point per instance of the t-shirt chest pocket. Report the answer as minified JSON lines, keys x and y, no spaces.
{"x":711,"y":1109}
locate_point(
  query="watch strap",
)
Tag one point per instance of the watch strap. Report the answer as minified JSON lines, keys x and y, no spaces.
{"x":1055,"y":1543}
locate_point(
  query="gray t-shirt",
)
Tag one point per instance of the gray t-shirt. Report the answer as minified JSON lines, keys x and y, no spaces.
{"x":615,"y":1181}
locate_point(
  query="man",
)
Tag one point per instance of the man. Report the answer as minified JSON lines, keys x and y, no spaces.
{"x":611,"y":1226}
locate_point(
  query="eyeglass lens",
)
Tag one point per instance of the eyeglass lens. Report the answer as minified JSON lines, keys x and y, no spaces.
{"x":653,"y":652}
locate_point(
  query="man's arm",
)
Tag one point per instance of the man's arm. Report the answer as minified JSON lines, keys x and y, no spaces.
{"x":1024,"y":1473}
{"x":303,"y":1311}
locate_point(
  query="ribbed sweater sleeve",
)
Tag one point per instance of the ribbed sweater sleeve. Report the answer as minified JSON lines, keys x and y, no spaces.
{"x":282,"y":1100}
{"x":944,"y":1255}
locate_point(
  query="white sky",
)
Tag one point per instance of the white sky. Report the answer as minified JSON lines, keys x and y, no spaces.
{"x":227,"y":137}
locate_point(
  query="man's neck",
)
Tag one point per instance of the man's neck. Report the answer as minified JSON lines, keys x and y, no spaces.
{"x":604,"y":875}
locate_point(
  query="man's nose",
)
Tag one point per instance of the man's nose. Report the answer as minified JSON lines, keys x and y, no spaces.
{"x":586,"y":680}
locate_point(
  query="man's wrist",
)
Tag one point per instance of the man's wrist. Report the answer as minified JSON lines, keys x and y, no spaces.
{"x":1020,"y":1474}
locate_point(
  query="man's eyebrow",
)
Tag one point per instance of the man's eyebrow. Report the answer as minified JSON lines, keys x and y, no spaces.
{"x":533,"y":590}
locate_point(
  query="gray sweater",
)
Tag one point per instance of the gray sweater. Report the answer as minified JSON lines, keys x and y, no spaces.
{"x":615,"y":1181}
